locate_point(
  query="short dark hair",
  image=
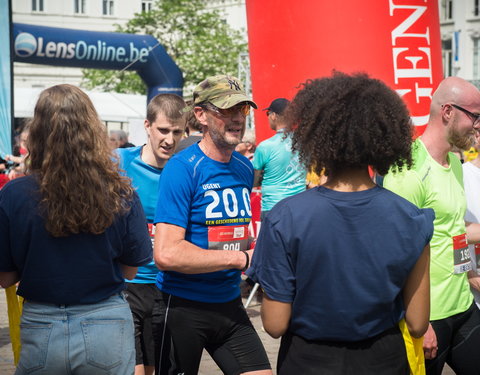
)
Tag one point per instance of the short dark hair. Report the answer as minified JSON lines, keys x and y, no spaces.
{"x":350,"y":121}
{"x":170,"y":105}
{"x":192,"y":122}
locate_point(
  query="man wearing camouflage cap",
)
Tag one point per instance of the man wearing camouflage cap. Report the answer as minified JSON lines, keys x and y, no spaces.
{"x":202,"y":239}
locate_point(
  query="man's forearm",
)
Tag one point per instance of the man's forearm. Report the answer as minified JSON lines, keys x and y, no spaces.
{"x":473,"y":232}
{"x":186,"y":257}
{"x":258,"y":178}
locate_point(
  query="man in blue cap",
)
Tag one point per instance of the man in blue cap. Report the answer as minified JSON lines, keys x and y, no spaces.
{"x":277,"y":168}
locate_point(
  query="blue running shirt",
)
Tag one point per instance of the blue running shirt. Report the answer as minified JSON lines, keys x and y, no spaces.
{"x":211,"y":200}
{"x":145,"y":179}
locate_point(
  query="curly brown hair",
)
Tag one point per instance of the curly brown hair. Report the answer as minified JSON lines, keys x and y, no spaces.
{"x":350,"y":121}
{"x":80,"y":184}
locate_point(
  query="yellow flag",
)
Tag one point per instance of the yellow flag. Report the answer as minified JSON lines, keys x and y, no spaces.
{"x":414,"y":347}
{"x":14,"y":307}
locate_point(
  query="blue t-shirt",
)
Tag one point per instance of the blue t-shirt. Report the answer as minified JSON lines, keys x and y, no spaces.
{"x":341,"y":259}
{"x":211,"y":200}
{"x":283,"y":175}
{"x":76,"y":269}
{"x":145,"y":180}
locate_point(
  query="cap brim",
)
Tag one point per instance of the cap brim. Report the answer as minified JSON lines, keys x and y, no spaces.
{"x":228,"y":101}
{"x":266,"y":109}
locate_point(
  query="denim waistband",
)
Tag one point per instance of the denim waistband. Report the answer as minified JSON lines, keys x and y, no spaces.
{"x":116,"y":298}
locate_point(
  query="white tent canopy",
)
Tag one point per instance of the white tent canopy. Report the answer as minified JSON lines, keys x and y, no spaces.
{"x":111,"y":107}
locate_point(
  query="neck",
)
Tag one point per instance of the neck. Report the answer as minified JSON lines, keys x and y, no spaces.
{"x":148,"y":157}
{"x":350,"y":180}
{"x":437,"y":145}
{"x":221,"y":154}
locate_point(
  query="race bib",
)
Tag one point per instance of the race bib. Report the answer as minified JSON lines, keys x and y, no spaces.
{"x":461,"y":254}
{"x":477,"y":255}
{"x":151,"y":231}
{"x":231,"y":237}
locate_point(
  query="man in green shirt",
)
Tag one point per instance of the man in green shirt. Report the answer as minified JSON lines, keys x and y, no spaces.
{"x":435,"y":181}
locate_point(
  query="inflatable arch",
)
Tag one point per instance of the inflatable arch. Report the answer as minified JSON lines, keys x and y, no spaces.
{"x":102,"y":50}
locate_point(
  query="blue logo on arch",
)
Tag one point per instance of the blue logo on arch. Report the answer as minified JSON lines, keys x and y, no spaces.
{"x":25,"y":45}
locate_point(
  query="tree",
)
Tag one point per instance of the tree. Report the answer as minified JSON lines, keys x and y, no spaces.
{"x":198,"y":40}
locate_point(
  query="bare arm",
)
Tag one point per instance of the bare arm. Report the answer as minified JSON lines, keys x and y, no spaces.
{"x":473,"y":232}
{"x":173,"y":253}
{"x":8,"y":278}
{"x":129,"y":272}
{"x":474,"y":280}
{"x":416,"y":296}
{"x":275,"y":316}
{"x":258,"y":177}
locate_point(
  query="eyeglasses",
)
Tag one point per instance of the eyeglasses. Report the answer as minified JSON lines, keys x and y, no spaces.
{"x":243,"y":109}
{"x":473,"y":116}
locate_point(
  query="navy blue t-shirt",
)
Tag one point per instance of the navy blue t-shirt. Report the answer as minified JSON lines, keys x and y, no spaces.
{"x":341,"y":259}
{"x":76,"y":269}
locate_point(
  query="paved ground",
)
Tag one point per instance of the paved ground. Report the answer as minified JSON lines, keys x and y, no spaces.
{"x":208,"y":367}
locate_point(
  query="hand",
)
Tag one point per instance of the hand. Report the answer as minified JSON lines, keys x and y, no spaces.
{"x":474,"y":280}
{"x":430,"y":345}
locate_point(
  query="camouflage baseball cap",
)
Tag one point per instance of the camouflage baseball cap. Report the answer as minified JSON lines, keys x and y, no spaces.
{"x":222,"y":91}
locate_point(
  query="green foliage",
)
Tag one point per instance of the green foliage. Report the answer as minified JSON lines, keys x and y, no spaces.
{"x":198,"y":40}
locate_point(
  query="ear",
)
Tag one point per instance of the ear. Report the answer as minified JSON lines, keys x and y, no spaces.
{"x":201,"y":115}
{"x":447,"y":112}
{"x":147,"y":125}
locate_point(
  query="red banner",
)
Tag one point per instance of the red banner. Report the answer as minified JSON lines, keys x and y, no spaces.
{"x":397,"y":41}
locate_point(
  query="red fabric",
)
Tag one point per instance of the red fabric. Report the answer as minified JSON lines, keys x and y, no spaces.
{"x":3,"y":179}
{"x":256,"y":206}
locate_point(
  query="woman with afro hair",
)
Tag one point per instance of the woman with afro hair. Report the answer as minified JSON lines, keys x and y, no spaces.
{"x":343,"y":263}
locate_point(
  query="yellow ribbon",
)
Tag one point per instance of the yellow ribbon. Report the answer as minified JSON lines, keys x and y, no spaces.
{"x":14,"y":308}
{"x":414,"y":347}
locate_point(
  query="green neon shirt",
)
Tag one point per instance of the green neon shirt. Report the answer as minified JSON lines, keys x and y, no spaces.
{"x":430,"y":185}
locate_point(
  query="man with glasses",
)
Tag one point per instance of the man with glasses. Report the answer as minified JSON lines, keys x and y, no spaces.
{"x":277,"y":168}
{"x":201,"y":239}
{"x":435,"y":181}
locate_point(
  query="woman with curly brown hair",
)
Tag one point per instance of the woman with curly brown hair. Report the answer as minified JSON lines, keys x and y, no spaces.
{"x":70,"y":231}
{"x":341,"y":264}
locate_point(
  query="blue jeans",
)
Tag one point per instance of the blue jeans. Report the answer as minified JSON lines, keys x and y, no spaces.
{"x":77,"y":339}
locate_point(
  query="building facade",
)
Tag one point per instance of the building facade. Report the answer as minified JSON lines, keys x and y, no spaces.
{"x":460,"y":33}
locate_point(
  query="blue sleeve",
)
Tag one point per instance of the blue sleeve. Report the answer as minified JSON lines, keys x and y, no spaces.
{"x":175,"y":194}
{"x":428,"y":219}
{"x":138,"y":245}
{"x":273,"y":260}
{"x":6,"y":259}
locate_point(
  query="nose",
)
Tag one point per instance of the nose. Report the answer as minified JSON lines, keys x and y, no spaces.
{"x":169,"y":139}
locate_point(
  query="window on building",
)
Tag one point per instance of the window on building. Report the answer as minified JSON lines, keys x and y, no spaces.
{"x":476,"y":58}
{"x":37,"y":5}
{"x":447,"y":57}
{"x":107,"y":7}
{"x":79,"y":6}
{"x":447,"y":10}
{"x":147,"y":5}
{"x":476,"y":8}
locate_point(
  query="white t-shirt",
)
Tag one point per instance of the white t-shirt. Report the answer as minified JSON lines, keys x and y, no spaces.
{"x":471,"y":182}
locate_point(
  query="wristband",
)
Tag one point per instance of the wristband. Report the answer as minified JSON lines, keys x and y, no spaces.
{"x":247,"y":261}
